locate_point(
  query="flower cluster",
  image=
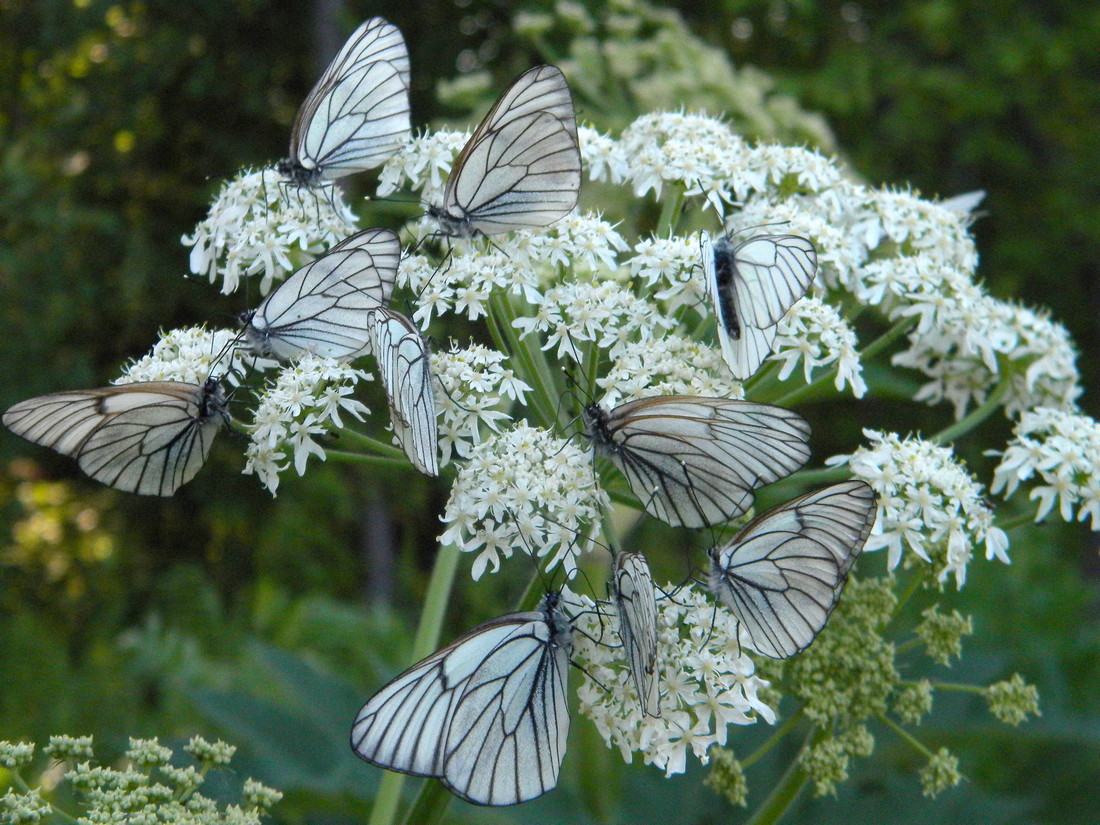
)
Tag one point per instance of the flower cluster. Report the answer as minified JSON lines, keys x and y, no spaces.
{"x":707,"y":681}
{"x":190,"y":354}
{"x":1062,"y":449}
{"x":523,"y":490}
{"x":255,"y":223}
{"x":927,"y":503}
{"x":304,"y":401}
{"x":147,"y":788}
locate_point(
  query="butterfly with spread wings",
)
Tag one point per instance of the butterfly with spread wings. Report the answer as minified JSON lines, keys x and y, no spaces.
{"x":783,"y":573}
{"x":357,"y":115}
{"x":404,"y":365}
{"x":752,"y":286}
{"x":635,"y":598}
{"x":521,"y":169}
{"x":325,"y":307}
{"x":694,"y":461}
{"x":487,"y":715}
{"x":148,"y":438}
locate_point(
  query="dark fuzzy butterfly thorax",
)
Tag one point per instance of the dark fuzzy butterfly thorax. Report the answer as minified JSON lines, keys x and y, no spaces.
{"x":297,"y":174}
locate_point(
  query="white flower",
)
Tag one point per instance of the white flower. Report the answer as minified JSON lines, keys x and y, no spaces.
{"x":928,"y":503}
{"x":305,"y":401}
{"x":523,"y":490}
{"x":422,"y":164}
{"x":190,"y":355}
{"x":257,"y":221}
{"x":668,"y":365}
{"x":706,"y":680}
{"x":816,"y":334}
{"x":1062,"y":449}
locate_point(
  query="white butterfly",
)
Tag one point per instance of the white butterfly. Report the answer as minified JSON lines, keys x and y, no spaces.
{"x":357,"y":115}
{"x":522,"y":166}
{"x":487,"y":715}
{"x":404,"y":365}
{"x":636,"y":603}
{"x":783,"y":573}
{"x":325,"y":306}
{"x":148,"y":438}
{"x":751,"y":287}
{"x":694,"y":461}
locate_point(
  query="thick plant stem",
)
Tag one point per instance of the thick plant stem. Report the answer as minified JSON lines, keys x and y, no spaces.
{"x":436,"y":599}
{"x":976,"y":416}
{"x":787,"y":790}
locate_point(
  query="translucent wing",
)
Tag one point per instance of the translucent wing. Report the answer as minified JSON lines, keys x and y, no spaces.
{"x":405,"y":367}
{"x":148,"y":438}
{"x":782,"y":575}
{"x":636,"y":602}
{"x":357,"y":115}
{"x":522,"y":166}
{"x":694,"y":461}
{"x":752,"y":286}
{"x":487,"y":715}
{"x":325,"y":306}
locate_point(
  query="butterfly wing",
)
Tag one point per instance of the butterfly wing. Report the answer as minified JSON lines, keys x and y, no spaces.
{"x":325,"y":306}
{"x":148,"y":438}
{"x":751,"y":288}
{"x":522,"y":167}
{"x":405,"y":367}
{"x":694,"y":461}
{"x":636,"y":603}
{"x":782,"y":575}
{"x":487,"y":714}
{"x":357,"y":115}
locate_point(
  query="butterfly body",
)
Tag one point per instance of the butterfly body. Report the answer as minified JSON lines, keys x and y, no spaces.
{"x":693,"y":461}
{"x":325,"y":307}
{"x":487,"y":715}
{"x":521,"y":168}
{"x":357,"y":115}
{"x":148,"y":438}
{"x":783,"y":573}
{"x":752,"y":286}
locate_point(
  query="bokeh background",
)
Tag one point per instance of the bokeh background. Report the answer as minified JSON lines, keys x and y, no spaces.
{"x":268,"y":621}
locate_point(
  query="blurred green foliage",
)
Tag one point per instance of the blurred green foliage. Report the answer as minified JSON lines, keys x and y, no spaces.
{"x":223,"y":611}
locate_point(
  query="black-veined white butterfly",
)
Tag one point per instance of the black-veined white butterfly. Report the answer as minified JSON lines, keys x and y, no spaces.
{"x":694,"y":461}
{"x":325,"y":306}
{"x":783,"y":573}
{"x":752,"y":285}
{"x":635,"y":598}
{"x":357,"y":115}
{"x":522,"y":166}
{"x":148,"y":438}
{"x":487,"y":715}
{"x":404,"y":365}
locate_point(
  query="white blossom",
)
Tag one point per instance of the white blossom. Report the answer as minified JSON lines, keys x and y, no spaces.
{"x":190,"y":355}
{"x":262,"y":223}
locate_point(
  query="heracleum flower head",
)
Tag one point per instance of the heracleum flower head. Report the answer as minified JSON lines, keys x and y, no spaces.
{"x":1061,"y":450}
{"x":707,"y":681}
{"x":927,"y":502}
{"x":475,"y":393}
{"x":524,"y":490}
{"x":423,"y":164}
{"x":191,"y":355}
{"x":305,"y":401}
{"x":669,"y":365}
{"x":262,"y":224}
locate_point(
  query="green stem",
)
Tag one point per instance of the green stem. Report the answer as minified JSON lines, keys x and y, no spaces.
{"x":779,"y":733}
{"x":786,"y":791}
{"x":955,"y":687}
{"x":536,"y":370}
{"x":887,"y":338}
{"x":910,"y":589}
{"x":670,"y":213}
{"x":976,"y":416}
{"x":370,"y":460}
{"x":373,"y":444}
{"x":384,"y":811}
{"x":904,"y":734}
{"x":821,"y":475}
{"x":1017,"y":521}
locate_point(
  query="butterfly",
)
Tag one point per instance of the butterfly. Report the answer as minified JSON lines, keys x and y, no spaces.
{"x":694,"y":461}
{"x":783,"y":573}
{"x":404,"y":365}
{"x":522,"y":166}
{"x":635,"y":599}
{"x":325,"y":306}
{"x":751,"y":287}
{"x":487,"y":715}
{"x":357,"y":115}
{"x":148,"y":438}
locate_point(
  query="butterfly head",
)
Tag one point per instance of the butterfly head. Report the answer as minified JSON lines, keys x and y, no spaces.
{"x":214,"y":400}
{"x":297,"y":174}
